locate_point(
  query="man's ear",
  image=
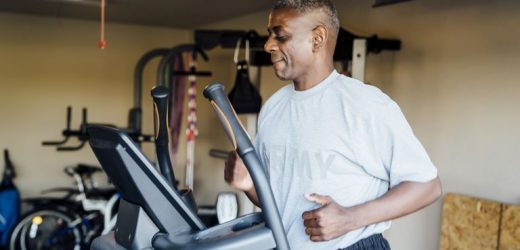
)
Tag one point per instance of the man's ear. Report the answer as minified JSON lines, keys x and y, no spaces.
{"x":319,"y":37}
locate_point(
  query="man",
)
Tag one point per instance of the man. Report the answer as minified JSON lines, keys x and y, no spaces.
{"x":340,"y":156}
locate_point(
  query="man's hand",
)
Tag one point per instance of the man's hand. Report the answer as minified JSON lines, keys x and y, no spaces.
{"x":328,"y":221}
{"x":332,"y":220}
{"x":236,"y":173}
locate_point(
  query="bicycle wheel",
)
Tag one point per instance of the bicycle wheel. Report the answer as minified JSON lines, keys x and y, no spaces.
{"x":46,"y":230}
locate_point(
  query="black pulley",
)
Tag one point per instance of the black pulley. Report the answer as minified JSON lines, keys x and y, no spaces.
{"x":244,"y":96}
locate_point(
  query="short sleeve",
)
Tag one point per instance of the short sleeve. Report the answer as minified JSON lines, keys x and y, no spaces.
{"x":398,"y":149}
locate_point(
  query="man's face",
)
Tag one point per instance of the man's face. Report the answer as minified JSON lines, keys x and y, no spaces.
{"x":290,"y":44}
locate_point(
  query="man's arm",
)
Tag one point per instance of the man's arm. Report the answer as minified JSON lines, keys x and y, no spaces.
{"x":332,"y":220}
{"x":251,"y":194}
{"x":236,"y":174}
{"x":403,"y":199}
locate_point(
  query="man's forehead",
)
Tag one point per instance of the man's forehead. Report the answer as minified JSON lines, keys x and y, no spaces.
{"x":281,"y":18}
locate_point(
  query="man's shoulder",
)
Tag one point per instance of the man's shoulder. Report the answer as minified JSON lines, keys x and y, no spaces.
{"x":359,"y":94}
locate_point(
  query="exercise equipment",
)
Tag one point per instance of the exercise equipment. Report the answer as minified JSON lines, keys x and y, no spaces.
{"x":160,"y":102}
{"x":160,"y":98}
{"x":164,"y":78}
{"x":134,"y":114}
{"x":171,"y":74}
{"x":354,"y":49}
{"x":163,"y":220}
{"x":134,"y":125}
{"x":133,"y":130}
{"x":225,"y":207}
{"x":243,"y":146}
{"x":244,"y":95}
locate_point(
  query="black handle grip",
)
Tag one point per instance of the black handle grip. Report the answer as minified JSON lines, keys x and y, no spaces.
{"x":228,"y":118}
{"x":160,"y":101}
{"x":242,"y":143}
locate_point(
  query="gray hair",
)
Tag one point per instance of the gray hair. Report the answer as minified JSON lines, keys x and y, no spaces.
{"x":304,"y":6}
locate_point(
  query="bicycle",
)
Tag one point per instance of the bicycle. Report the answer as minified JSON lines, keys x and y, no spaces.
{"x":70,"y":222}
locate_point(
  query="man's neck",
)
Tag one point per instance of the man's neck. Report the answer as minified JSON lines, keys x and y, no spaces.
{"x":312,"y":78}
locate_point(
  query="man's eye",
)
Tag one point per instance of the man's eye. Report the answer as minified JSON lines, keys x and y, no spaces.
{"x":280,"y":38}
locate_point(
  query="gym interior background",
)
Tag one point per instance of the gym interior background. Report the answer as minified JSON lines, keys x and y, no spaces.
{"x":455,"y":78}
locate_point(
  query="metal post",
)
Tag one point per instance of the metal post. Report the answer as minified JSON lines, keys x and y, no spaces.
{"x":359,"y":53}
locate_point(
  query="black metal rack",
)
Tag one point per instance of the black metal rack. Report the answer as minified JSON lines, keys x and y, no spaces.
{"x":209,"y":39}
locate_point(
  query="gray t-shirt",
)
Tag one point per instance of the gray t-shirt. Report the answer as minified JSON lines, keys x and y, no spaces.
{"x":341,"y":138}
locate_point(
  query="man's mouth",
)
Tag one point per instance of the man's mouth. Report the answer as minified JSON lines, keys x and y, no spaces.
{"x":276,"y":61}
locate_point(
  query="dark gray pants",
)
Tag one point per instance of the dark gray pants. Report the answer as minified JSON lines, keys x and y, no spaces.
{"x":374,"y":242}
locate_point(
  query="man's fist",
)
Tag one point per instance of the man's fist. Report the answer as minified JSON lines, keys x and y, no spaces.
{"x":236,"y":173}
{"x":329,"y":221}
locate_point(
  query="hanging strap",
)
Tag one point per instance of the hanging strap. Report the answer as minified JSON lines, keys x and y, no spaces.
{"x":237,"y":51}
{"x":191,"y":130}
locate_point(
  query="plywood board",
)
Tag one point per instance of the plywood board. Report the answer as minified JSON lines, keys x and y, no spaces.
{"x":469,"y":223}
{"x":510,"y":228}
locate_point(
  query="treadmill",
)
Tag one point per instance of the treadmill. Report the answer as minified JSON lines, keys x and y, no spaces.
{"x":153,"y":214}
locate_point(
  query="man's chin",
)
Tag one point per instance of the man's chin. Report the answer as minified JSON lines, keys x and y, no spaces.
{"x":280,"y":75}
{"x":281,"y":78}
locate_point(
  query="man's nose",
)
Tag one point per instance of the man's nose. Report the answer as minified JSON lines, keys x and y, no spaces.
{"x":269,"y":45}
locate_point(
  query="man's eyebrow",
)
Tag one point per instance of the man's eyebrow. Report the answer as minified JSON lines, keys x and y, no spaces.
{"x":274,"y":29}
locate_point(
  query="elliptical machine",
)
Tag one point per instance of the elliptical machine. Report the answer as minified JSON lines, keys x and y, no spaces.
{"x":153,"y":214}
